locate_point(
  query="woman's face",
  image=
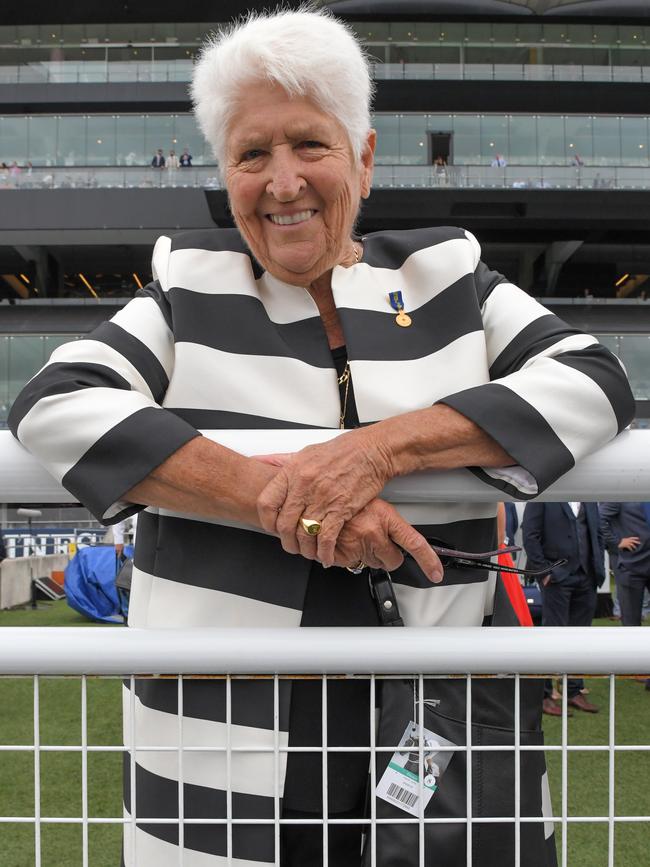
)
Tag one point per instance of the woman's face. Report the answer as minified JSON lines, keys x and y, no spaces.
{"x":293,"y":183}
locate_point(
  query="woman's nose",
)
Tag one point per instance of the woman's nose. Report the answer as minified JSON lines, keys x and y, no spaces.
{"x":286,"y":181}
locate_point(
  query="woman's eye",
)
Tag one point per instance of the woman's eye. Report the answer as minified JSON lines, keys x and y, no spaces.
{"x":308,"y":143}
{"x":252,"y":154}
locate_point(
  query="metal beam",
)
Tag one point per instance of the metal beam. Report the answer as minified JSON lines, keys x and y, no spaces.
{"x":556,"y":255}
{"x":619,"y":471}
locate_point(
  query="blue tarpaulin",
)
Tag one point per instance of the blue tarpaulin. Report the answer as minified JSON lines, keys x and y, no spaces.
{"x":90,"y":583}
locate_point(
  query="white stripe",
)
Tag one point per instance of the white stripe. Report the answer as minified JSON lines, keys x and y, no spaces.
{"x":387,"y":388}
{"x":424,"y":274}
{"x":476,"y":247}
{"x":223,"y":272}
{"x":455,"y":605}
{"x":516,"y":476}
{"x":547,"y":806}
{"x":143,"y":320}
{"x":96,"y":352}
{"x":160,"y":603}
{"x":506,"y":312}
{"x":61,"y":428}
{"x":574,"y":343}
{"x":160,"y":260}
{"x":274,"y":387}
{"x":153,"y":852}
{"x":555,"y":390}
{"x":251,"y":772}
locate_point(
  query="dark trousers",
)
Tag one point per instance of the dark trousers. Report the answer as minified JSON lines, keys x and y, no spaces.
{"x":630,"y":594}
{"x":570,"y":603}
{"x":302,"y":845}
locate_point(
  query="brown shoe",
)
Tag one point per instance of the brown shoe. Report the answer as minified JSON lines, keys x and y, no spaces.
{"x":549,"y":707}
{"x":580,"y":702}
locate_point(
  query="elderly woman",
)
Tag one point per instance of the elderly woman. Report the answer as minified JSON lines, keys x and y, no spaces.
{"x":424,"y":355}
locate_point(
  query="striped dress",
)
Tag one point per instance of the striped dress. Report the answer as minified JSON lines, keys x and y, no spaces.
{"x":216,"y":343}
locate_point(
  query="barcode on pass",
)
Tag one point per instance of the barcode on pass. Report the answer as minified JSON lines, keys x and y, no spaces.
{"x":401,"y":795}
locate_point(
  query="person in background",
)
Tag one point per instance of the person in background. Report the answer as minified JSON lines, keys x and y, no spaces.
{"x":158,"y":161}
{"x":626,"y":531}
{"x":186,"y":159}
{"x":570,"y":531}
{"x":172,"y":160}
{"x":499,"y":162}
{"x":3,"y":550}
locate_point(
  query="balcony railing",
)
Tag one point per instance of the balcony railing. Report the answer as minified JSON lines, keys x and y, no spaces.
{"x":524,"y":177}
{"x":101,"y":72}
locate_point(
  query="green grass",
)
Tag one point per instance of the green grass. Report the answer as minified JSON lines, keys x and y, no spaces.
{"x":60,"y":705}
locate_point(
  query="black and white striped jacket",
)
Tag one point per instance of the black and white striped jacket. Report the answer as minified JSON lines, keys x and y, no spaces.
{"x":216,"y":343}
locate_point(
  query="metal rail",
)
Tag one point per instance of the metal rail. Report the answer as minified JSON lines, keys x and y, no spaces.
{"x":620,"y":471}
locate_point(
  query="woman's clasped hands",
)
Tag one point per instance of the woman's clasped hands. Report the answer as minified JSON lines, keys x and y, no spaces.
{"x":337,"y":484}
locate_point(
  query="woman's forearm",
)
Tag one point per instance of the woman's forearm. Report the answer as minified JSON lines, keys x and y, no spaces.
{"x":436,"y":438}
{"x":204,"y":478}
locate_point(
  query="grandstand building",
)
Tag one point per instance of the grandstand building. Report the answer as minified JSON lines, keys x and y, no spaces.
{"x":525,"y":121}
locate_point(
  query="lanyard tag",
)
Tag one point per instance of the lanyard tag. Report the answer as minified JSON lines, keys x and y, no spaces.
{"x":400,"y":782}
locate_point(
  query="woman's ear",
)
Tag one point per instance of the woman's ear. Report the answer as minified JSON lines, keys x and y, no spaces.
{"x":368,"y":163}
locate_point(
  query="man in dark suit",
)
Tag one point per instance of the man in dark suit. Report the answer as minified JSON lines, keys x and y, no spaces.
{"x":570,"y":531}
{"x":626,"y":530}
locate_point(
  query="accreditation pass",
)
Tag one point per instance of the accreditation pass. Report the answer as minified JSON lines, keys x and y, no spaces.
{"x":400,"y":783}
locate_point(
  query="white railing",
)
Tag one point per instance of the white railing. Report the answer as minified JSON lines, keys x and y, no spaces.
{"x":619,"y":471}
{"x":375,"y":654}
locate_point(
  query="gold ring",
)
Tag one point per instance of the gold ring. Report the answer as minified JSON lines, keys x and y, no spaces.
{"x":357,"y":569}
{"x":310,"y":526}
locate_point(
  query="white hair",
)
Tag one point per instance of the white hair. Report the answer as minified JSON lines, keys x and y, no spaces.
{"x":308,"y":53}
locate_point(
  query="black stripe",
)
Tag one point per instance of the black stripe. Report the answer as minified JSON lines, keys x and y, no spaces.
{"x":241,"y":562}
{"x":135,"y":352}
{"x":599,"y":364}
{"x":240,"y":324}
{"x":376,"y":337}
{"x":156,"y":797}
{"x":63,"y":378}
{"x":155,"y":291}
{"x":485,"y":281}
{"x":251,"y":705}
{"x":391,"y":249}
{"x":124,"y":456}
{"x":216,"y":240}
{"x":217,"y":419}
{"x":519,"y":428}
{"x":478,"y":534}
{"x":531,"y":340}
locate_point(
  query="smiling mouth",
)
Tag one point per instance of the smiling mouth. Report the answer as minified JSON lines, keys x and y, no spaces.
{"x":291,"y":219}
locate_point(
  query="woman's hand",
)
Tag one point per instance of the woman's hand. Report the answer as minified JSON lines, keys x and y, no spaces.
{"x":330,"y":483}
{"x":373,"y":536}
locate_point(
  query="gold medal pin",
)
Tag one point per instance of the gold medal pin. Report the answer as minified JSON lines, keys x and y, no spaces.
{"x":397,"y":303}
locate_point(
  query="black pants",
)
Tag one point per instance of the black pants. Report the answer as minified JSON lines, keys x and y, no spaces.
{"x":630,"y":595}
{"x":302,"y":845}
{"x":569,"y":604}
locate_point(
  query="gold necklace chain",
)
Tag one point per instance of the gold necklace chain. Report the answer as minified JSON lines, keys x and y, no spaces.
{"x":344,"y":378}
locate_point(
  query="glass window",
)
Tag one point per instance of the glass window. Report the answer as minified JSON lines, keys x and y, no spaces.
{"x":42,"y":140}
{"x":610,"y":341}
{"x":579,"y":138}
{"x":494,"y":137}
{"x":550,"y":140}
{"x":607,"y":141}
{"x":387,"y":126}
{"x":4,"y":380}
{"x":100,"y":140}
{"x":635,"y":355}
{"x":523,"y":140}
{"x":467,"y":139}
{"x":188,"y":135}
{"x":13,"y":139}
{"x":158,"y":133}
{"x":413,"y":141}
{"x":130,"y":150}
{"x":71,"y":150}
{"x":634,"y":141}
{"x":26,"y":357}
